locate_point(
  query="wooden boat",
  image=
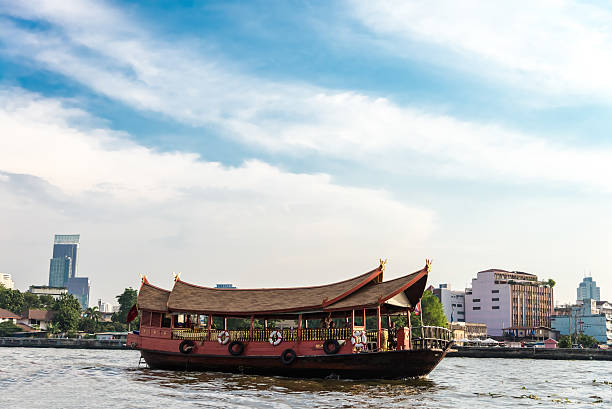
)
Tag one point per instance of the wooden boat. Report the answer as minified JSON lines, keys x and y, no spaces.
{"x":340,"y":330}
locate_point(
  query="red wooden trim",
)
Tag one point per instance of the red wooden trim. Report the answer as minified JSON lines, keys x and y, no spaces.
{"x":372,"y":276}
{"x":251,"y":329}
{"x":299,"y":336}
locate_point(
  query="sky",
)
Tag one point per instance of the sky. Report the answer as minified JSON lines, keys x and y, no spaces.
{"x":286,"y":143}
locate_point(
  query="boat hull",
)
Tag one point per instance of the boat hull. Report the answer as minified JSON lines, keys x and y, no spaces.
{"x":372,"y":365}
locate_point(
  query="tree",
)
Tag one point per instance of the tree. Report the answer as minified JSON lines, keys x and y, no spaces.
{"x":47,"y":301}
{"x":7,"y":328}
{"x":564,"y":342}
{"x":68,"y":313}
{"x":31,"y":301}
{"x":432,"y":310}
{"x":11,"y":300}
{"x":551,"y":283}
{"x":90,"y":320}
{"x":126,"y":302}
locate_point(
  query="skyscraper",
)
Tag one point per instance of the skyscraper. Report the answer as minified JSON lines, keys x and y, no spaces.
{"x":67,"y":245}
{"x":60,"y":270}
{"x":587,"y":289}
{"x":79,"y":287}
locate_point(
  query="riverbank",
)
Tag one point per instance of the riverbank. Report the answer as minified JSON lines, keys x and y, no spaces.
{"x":532,"y":353}
{"x":70,"y":343}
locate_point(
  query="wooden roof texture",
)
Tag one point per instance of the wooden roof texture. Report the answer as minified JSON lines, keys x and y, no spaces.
{"x":152,"y":298}
{"x":365,"y":290}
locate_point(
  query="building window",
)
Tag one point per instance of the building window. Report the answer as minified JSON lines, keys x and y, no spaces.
{"x":475,"y":308}
{"x":495,"y":291}
{"x":476,"y":299}
{"x":459,"y":305}
{"x":496,"y":307}
{"x":494,"y":299}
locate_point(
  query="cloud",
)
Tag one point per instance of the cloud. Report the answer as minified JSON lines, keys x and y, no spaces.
{"x":556,"y":48}
{"x":116,"y":56}
{"x":162,"y":212}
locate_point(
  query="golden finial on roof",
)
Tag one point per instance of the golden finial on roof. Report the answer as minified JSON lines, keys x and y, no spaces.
{"x":383,"y":264}
{"x":177,"y":276}
{"x":428,"y":265}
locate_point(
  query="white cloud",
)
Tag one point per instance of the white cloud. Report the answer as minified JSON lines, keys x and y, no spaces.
{"x":125,"y":62}
{"x":559,"y":48}
{"x":169,"y":211}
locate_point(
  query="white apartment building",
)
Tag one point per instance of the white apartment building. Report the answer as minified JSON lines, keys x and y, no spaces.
{"x":453,"y":302}
{"x":7,"y":281}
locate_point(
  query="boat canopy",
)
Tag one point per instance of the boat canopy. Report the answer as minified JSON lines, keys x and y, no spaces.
{"x":364,"y":291}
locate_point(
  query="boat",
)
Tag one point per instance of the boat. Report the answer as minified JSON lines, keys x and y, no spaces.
{"x":341,"y":330}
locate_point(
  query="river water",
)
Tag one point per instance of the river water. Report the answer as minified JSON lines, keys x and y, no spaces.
{"x":64,"y":378}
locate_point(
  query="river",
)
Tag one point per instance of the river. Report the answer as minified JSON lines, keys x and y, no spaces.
{"x":76,"y":378}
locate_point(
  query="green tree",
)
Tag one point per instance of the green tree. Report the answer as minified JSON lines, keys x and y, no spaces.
{"x":586,"y":341}
{"x":47,"y":301}
{"x":31,"y":301}
{"x":90,"y":320}
{"x":564,"y":342}
{"x":7,"y":328}
{"x":68,"y":313}
{"x":432,"y":310}
{"x":11,"y":300}
{"x":126,"y":300}
{"x":551,"y":283}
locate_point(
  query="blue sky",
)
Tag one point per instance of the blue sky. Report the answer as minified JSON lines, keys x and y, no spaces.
{"x":260,"y":138}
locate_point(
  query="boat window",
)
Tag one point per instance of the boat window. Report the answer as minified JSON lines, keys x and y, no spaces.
{"x":238,"y":323}
{"x":217,"y":323}
{"x":358,"y":319}
{"x":155,"y":319}
{"x":166,"y":321}
{"x":145,"y":319}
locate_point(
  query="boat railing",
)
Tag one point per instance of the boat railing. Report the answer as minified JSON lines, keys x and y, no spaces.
{"x":429,"y":337}
{"x":263,"y":335}
{"x":322,"y":334}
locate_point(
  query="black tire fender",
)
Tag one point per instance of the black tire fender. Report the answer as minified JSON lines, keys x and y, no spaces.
{"x":235,"y":348}
{"x":186,"y":346}
{"x":331,"y":346}
{"x":288,"y":356}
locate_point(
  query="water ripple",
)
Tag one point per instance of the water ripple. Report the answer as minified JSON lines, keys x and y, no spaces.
{"x":64,"y":378}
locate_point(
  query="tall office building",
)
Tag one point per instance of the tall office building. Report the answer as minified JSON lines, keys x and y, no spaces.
{"x":587,"y":289}
{"x":67,"y":245}
{"x":79,"y":287}
{"x":60,"y":269}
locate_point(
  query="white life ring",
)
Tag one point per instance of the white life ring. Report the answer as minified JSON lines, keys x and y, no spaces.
{"x":359,"y":339}
{"x":223,"y":337}
{"x":275,"y":338}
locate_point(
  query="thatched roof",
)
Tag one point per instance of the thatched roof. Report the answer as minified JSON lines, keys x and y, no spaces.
{"x":365,"y":290}
{"x":152,"y":298}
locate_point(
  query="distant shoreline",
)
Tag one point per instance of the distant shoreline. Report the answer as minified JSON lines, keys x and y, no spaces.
{"x":70,"y":343}
{"x":531,"y":353}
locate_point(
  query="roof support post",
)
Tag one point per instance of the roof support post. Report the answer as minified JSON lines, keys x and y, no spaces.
{"x":299,"y":335}
{"x":378,"y":329}
{"x":251,"y":329}
{"x":225,"y":323}
{"x":209,"y":325}
{"x":409,"y":328}
{"x":352,"y":321}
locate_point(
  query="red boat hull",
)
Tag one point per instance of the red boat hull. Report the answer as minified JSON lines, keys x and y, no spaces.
{"x":372,"y":365}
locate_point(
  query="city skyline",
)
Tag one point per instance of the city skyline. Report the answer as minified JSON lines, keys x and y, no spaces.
{"x":234,"y":145}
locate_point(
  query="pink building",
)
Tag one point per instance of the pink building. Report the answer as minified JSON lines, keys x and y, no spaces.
{"x":502,"y":299}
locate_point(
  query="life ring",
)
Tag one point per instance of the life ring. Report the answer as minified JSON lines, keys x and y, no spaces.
{"x":359,"y":339}
{"x":288,"y":356}
{"x":223,"y":337}
{"x":331,"y":346}
{"x":186,"y":346}
{"x":275,"y":338}
{"x":235,"y":348}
